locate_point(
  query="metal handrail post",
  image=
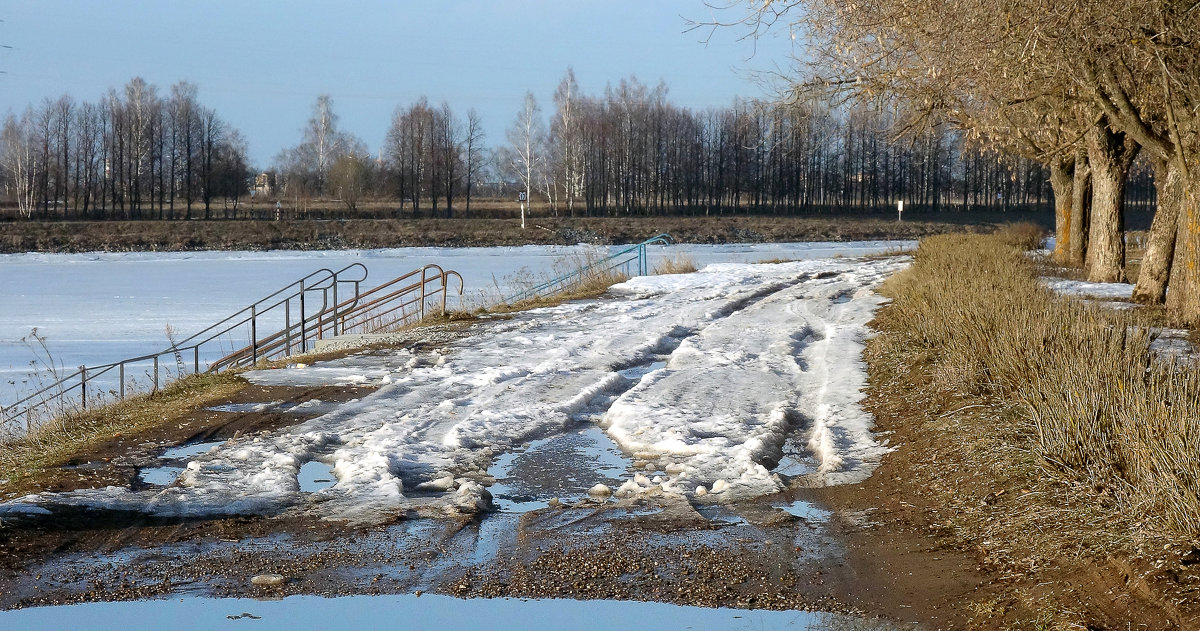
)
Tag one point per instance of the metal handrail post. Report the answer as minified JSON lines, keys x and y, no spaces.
{"x":303,"y":322}
{"x":444,"y":292}
{"x":196,"y":359}
{"x":335,"y":304}
{"x":421,"y":308}
{"x":83,"y":386}
{"x":121,"y":376}
{"x":287,"y":323}
{"x":156,"y":373}
{"x":253,"y":335}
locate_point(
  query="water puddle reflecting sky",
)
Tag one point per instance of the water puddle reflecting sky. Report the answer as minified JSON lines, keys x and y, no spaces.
{"x":315,"y":476}
{"x":411,"y":612}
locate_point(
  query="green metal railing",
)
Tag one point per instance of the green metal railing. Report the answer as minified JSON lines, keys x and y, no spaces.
{"x":624,"y":260}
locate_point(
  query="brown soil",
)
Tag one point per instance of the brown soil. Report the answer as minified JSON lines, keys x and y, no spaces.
{"x":1028,"y":553}
{"x":116,"y":460}
{"x":152,"y":235}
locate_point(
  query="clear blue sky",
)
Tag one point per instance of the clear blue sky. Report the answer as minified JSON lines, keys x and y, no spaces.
{"x":261,"y":64}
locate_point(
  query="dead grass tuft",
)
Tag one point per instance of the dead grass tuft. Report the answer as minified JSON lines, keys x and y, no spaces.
{"x":1024,"y":235}
{"x":678,"y":264}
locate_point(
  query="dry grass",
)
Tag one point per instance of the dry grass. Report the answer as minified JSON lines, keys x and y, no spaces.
{"x":53,"y":442}
{"x":590,"y":278}
{"x":678,"y":264}
{"x":1095,"y":406}
{"x":1024,"y":235}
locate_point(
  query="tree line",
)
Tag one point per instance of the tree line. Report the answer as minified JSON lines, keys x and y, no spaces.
{"x":1083,"y":87}
{"x":133,"y":154}
{"x":629,"y":151}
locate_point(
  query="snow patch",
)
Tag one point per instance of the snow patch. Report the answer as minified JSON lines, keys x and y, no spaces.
{"x":700,"y":376}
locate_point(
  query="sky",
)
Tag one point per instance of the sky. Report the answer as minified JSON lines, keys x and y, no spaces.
{"x":261,"y":64}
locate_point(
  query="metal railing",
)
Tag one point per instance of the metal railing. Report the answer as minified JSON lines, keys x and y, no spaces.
{"x":366,"y":312}
{"x":622,"y":260}
{"x":322,"y":303}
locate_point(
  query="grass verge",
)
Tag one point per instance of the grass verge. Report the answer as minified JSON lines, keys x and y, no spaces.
{"x":1052,"y":432}
{"x":52,"y":443}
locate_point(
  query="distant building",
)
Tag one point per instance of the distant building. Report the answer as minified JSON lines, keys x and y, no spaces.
{"x":264,"y":184}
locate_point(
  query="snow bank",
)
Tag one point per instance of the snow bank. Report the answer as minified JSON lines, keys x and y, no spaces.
{"x":786,"y":361}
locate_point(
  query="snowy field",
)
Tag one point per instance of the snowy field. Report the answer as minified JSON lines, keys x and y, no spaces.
{"x":102,"y":307}
{"x":700,"y":377}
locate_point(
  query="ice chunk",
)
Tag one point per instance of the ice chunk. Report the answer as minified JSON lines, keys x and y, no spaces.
{"x":600,"y":490}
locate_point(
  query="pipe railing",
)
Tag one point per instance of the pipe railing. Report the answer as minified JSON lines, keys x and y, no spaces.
{"x":623,"y":260}
{"x":376,"y":311}
{"x":306,"y":308}
{"x":357,"y":314}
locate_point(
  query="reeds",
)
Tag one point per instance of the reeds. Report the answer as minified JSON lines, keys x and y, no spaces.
{"x":678,"y":264}
{"x":1101,"y":408}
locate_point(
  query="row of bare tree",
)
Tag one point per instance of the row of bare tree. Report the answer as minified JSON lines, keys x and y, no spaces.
{"x":133,"y":154}
{"x":1079,"y":86}
{"x":428,"y":156}
{"x":631,"y":151}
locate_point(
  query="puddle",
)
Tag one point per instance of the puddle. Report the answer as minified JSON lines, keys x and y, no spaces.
{"x":719,"y":513}
{"x":244,"y":408}
{"x":161,"y":476}
{"x":312,"y":406}
{"x":797,"y":460}
{"x":165,"y":474}
{"x":564,"y":466}
{"x":425,"y":612}
{"x":91,"y":465}
{"x":315,"y":476}
{"x":187,"y":451}
{"x":805,"y":510}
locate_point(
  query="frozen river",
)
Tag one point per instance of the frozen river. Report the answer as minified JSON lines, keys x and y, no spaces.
{"x":96,"y":308}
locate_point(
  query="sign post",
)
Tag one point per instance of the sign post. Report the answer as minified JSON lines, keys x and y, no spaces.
{"x":523,"y":197}
{"x":900,"y":210}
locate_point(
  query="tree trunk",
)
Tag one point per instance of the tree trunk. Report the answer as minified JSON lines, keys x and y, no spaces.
{"x":1156,"y":262}
{"x":1109,"y":153}
{"x":1062,"y":180}
{"x":1081,"y":209}
{"x":1184,"y":294}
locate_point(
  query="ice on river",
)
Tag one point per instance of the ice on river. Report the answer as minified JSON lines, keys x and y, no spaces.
{"x":703,"y":376}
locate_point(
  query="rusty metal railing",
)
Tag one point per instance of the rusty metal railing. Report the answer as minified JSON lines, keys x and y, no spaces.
{"x":375,"y":309}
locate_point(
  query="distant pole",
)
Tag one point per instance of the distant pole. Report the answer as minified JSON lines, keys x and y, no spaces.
{"x":900,"y":210}
{"x":523,"y":197}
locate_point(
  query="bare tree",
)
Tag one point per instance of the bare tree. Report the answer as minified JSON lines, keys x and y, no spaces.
{"x":348,"y":179}
{"x":566,"y":139}
{"x":17,"y":155}
{"x":523,"y":157}
{"x":473,"y":153}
